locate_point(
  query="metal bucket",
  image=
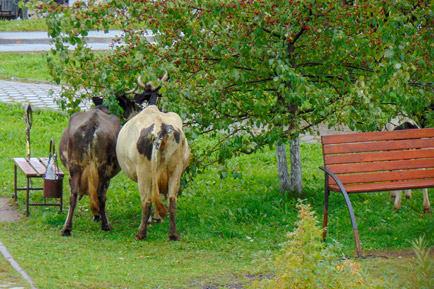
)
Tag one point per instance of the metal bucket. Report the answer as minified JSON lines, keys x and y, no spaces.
{"x":53,"y":188}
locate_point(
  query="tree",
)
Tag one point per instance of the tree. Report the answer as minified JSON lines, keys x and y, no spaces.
{"x":252,"y":73}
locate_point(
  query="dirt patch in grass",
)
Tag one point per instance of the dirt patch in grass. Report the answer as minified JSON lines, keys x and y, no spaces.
{"x":398,"y":254}
{"x":8,"y":212}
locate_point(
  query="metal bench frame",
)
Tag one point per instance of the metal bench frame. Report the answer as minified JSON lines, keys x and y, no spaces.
{"x":33,"y":168}
{"x":375,"y":162}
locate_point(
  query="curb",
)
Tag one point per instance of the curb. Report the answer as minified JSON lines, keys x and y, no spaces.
{"x":16,"y":266}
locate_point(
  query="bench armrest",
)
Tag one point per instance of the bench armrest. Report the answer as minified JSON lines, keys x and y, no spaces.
{"x":338,"y":182}
{"x":349,"y":206}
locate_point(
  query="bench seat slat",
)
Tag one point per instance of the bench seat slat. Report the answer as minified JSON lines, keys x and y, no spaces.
{"x":378,"y":146}
{"x":386,"y":186}
{"x":25,"y":166}
{"x":382,"y":166}
{"x":384,"y":176}
{"x":45,"y":162}
{"x":37,"y":165}
{"x":378,"y":136}
{"x":378,"y":156}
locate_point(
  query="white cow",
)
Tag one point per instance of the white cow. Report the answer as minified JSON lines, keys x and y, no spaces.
{"x":152,"y":150}
{"x":398,"y":123}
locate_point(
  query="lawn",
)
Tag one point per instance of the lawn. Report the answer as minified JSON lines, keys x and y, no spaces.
{"x":229,"y":227}
{"x":23,"y":25}
{"x":24,"y":66}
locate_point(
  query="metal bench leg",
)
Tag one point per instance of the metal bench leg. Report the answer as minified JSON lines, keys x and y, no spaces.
{"x":326,"y":213}
{"x":27,"y":196}
{"x":353,"y":222}
{"x":349,"y":206}
{"x":15,"y":183}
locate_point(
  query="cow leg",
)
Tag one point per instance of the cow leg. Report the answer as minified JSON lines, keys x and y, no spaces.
{"x":397,"y":205}
{"x":145,"y":195}
{"x":67,"y":227}
{"x":174,"y":183}
{"x":105,"y":225}
{"x":392,"y":195}
{"x":408,"y":194}
{"x":426,"y":204}
{"x":173,"y":232}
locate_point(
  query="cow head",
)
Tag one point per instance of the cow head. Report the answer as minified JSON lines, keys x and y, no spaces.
{"x":129,"y":107}
{"x":150,"y":92}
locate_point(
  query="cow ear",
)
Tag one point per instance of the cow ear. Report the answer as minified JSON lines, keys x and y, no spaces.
{"x":97,"y":100}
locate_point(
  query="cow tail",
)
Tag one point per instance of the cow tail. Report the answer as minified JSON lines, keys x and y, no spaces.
{"x":93,"y":181}
{"x":156,"y":197}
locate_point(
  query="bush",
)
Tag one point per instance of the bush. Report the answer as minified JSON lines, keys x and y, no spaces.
{"x":307,"y":262}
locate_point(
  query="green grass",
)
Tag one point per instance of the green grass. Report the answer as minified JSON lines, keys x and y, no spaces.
{"x":228,"y":227}
{"x":21,"y":25}
{"x":30,"y":66}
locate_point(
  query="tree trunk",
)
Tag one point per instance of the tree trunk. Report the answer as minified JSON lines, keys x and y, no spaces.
{"x":282,"y":167}
{"x":296,"y":175}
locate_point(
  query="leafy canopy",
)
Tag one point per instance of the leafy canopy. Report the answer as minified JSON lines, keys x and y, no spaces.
{"x":254,"y":72}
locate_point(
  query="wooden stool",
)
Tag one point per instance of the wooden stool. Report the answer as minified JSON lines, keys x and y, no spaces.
{"x":33,"y":168}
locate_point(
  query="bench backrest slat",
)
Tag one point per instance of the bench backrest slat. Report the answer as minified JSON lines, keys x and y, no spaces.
{"x":385,"y":176}
{"x":371,"y":146}
{"x":378,"y":136}
{"x":381,"y":166}
{"x":364,"y":158}
{"x":379,"y":156}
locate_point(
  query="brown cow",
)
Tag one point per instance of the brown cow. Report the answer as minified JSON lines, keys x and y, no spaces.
{"x":152,"y":150}
{"x":88,"y":150}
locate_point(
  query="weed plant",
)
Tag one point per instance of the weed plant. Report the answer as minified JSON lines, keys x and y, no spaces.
{"x":307,"y":262}
{"x":228,"y":225}
{"x":424,"y":277}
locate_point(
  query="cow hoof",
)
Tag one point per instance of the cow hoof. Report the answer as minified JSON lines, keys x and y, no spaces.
{"x":174,"y":238}
{"x":96,"y":218}
{"x":65,"y":233}
{"x":427,"y":211}
{"x":106,"y":228}
{"x":140,"y":237}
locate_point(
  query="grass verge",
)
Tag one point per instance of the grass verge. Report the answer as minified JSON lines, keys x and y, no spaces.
{"x":229,"y":227}
{"x":23,"y":25}
{"x":29,"y":66}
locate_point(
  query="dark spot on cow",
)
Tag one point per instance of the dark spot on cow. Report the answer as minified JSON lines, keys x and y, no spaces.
{"x":166,"y":130}
{"x":406,"y":125}
{"x":177,"y":135}
{"x":144,"y":144}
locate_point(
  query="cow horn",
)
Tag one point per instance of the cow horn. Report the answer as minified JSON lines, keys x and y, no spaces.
{"x":144,"y":86}
{"x":139,"y":81}
{"x":165,"y":77}
{"x":132,"y":90}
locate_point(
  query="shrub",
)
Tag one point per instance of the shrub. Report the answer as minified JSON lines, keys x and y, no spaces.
{"x":305,"y":261}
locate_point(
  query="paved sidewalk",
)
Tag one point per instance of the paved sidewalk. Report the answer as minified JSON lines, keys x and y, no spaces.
{"x":37,"y":94}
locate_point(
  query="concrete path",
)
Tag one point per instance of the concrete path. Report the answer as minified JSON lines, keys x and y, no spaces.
{"x":39,"y":41}
{"x":37,"y":94}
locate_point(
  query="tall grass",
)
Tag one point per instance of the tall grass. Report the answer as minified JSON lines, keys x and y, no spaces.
{"x":228,"y":226}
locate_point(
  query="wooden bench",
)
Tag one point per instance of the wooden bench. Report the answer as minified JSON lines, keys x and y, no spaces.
{"x":374,"y":162}
{"x":33,"y":168}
